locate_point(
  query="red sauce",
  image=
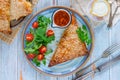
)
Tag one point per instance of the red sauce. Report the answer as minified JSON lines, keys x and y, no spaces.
{"x":61,"y":18}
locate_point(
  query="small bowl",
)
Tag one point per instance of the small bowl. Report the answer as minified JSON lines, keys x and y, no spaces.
{"x":54,"y":25}
{"x":93,"y":17}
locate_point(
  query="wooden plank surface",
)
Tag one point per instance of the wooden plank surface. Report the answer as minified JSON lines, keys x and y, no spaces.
{"x":0,"y":59}
{"x":12,"y":60}
{"x":115,"y":37}
{"x":9,"y":61}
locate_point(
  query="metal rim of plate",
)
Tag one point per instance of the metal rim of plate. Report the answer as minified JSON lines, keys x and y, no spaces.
{"x":14,"y":23}
{"x":91,"y":48}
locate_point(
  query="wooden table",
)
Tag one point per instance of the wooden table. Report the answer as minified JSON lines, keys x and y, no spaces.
{"x":12,"y":60}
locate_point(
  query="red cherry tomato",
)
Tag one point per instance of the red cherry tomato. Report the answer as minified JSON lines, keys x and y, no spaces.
{"x":40,"y":57}
{"x":35,"y":25}
{"x":29,"y":37}
{"x":42,"y":49}
{"x":50,"y":33}
{"x":30,"y":56}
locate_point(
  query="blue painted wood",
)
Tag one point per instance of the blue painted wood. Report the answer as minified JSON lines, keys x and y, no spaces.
{"x":115,"y":37}
{"x":0,"y":59}
{"x":22,"y":62}
{"x":101,"y":43}
{"x":9,"y":61}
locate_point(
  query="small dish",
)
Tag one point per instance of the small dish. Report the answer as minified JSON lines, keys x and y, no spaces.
{"x":95,"y":17}
{"x":61,"y":18}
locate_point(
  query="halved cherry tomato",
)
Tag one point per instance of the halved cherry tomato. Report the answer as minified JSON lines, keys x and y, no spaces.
{"x":42,"y":49}
{"x":50,"y":32}
{"x":29,"y":37}
{"x":40,"y":57}
{"x":35,"y":25}
{"x":30,"y":56}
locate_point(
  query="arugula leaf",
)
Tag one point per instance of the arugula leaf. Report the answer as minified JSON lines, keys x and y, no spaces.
{"x":43,"y":21}
{"x":31,"y":31}
{"x":50,"y":38}
{"x":37,"y":46}
{"x":83,"y":34}
{"x":44,"y":61}
{"x":48,"y":52}
{"x":88,"y":41}
{"x":33,"y":49}
{"x":40,"y":31}
{"x":36,"y":62}
{"x":84,"y":28}
{"x":29,"y":44}
{"x":29,"y":50}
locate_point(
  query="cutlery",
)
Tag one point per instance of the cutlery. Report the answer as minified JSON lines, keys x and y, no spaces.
{"x":99,"y":68}
{"x":105,"y":54}
{"x":110,"y":16}
{"x":116,"y":9}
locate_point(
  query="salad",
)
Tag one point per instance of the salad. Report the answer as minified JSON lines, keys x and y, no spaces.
{"x":37,"y":39}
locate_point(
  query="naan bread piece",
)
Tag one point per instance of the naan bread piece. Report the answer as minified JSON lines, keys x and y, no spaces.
{"x":5,"y":16}
{"x":20,"y":8}
{"x":70,"y":46}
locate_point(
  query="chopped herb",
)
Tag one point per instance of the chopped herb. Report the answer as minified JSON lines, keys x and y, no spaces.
{"x":48,"y":52}
{"x":83,"y":34}
{"x":44,"y":61}
{"x":36,"y":62}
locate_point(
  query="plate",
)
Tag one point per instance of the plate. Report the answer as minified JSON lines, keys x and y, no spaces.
{"x":68,"y":67}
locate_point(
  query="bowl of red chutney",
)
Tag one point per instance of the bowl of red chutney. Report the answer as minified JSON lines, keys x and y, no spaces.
{"x":61,"y":18}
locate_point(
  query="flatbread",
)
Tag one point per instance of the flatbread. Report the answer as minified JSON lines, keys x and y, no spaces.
{"x":70,"y":46}
{"x":20,"y":8}
{"x":5,"y":16}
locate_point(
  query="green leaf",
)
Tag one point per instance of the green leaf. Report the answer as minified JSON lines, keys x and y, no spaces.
{"x":36,"y":62}
{"x":37,"y":46}
{"x":31,"y":31}
{"x":44,"y":61}
{"x":43,"y":21}
{"x":36,"y":52}
{"x":84,"y":28}
{"x":88,"y":41}
{"x":48,"y":52}
{"x":83,"y":34}
{"x":50,"y":38}
{"x":40,"y":31}
{"x":29,"y":44}
{"x":29,"y":50}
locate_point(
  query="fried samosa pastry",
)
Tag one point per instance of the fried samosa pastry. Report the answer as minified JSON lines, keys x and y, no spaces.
{"x":70,"y":46}
{"x":5,"y":16}
{"x":20,"y":8}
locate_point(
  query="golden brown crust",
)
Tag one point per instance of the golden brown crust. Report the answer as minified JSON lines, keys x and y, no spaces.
{"x":20,"y":8}
{"x":10,"y":10}
{"x":70,"y":46}
{"x":5,"y":16}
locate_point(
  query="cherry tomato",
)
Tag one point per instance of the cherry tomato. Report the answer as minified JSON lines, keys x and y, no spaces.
{"x":40,"y":57}
{"x":50,"y":33}
{"x":35,"y":25}
{"x":42,"y":49}
{"x":31,"y":56}
{"x":29,"y":37}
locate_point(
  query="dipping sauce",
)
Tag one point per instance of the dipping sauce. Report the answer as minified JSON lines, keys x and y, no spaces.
{"x":61,"y":18}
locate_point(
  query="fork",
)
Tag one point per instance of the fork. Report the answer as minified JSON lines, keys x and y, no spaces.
{"x":116,"y":9}
{"x":105,"y":54}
